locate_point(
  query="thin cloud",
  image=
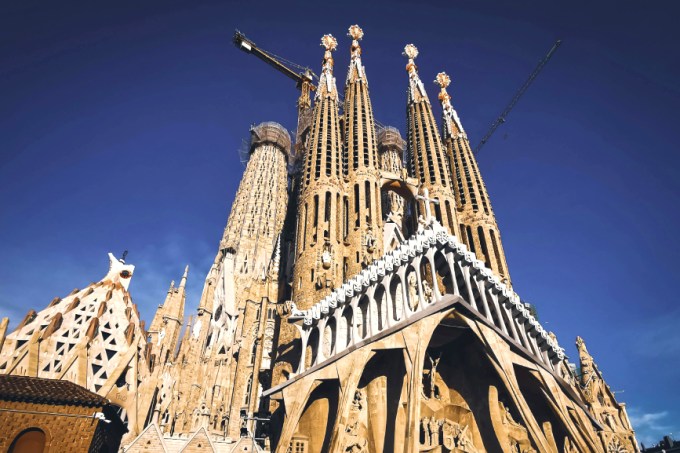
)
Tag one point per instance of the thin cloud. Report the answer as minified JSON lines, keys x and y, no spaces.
{"x":649,"y":427}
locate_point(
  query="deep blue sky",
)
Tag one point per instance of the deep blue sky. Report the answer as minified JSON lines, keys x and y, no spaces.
{"x":120,"y":126}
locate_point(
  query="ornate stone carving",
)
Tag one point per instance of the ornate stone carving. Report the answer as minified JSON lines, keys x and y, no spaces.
{"x":445,"y":433}
{"x":412,"y":281}
{"x":517,"y":434}
{"x":615,"y":446}
{"x":433,"y":389}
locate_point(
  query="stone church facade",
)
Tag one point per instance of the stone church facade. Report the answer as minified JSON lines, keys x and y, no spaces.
{"x":359,"y":301}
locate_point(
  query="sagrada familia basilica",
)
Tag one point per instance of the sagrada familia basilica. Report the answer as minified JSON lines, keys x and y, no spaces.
{"x":359,"y":301}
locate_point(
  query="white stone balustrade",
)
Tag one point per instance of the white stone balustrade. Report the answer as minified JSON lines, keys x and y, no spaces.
{"x":384,"y":294}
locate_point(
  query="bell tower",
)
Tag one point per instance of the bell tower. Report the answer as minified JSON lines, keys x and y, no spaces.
{"x":425,"y":151}
{"x":319,"y":244}
{"x":477,"y":223}
{"x":362,"y":216}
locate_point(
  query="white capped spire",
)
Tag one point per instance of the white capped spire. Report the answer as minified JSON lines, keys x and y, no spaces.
{"x":183,"y":282}
{"x":416,"y":91}
{"x":356,"y":33}
{"x":326,"y":80}
{"x":450,"y":115}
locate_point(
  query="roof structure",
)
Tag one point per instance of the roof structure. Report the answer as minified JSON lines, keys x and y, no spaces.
{"x":50,"y":391}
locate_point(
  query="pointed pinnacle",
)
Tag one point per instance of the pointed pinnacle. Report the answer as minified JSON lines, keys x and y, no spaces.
{"x":183,"y":282}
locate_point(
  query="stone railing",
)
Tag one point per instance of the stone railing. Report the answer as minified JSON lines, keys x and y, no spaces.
{"x":394,"y":288}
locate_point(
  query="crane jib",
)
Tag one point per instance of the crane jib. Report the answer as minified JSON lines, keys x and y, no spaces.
{"x":501,"y":118}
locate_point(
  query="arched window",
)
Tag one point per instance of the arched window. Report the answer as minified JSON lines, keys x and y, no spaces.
{"x":31,"y":440}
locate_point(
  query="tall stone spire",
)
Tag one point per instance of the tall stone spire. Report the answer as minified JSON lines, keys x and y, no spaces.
{"x":223,"y":344}
{"x":167,"y":323}
{"x":362,"y":219}
{"x":319,"y":245}
{"x":425,"y":150}
{"x":478,"y":226}
{"x":602,"y":403}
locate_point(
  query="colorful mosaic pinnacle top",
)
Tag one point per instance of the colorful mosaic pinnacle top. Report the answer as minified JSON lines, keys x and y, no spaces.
{"x":355,"y":32}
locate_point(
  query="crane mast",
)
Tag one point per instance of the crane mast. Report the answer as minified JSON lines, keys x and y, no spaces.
{"x":303,"y":80}
{"x":501,"y":118}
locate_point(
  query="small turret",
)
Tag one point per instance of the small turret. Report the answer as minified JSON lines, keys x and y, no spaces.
{"x":167,"y":323}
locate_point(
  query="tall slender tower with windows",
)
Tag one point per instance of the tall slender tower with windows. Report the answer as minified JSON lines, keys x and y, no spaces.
{"x":478,"y":226}
{"x":224,"y":359}
{"x":362,"y":225}
{"x":425,"y":151}
{"x":320,"y":247}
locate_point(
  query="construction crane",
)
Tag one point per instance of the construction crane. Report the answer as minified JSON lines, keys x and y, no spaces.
{"x":303,"y":79}
{"x":501,"y":118}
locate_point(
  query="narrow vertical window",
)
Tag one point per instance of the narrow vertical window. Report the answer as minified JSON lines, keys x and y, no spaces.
{"x":356,"y":205}
{"x":345,"y":218}
{"x":438,"y":210}
{"x":482,"y":243}
{"x":367,"y":194}
{"x":327,"y":216}
{"x":316,"y":210}
{"x":471,"y":240}
{"x":338,"y":216}
{"x":304,"y":228}
{"x":449,"y":216}
{"x":497,"y":252}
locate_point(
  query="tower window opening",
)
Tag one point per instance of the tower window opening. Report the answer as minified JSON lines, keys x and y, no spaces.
{"x":449,"y":215}
{"x":319,"y":138}
{"x":316,"y":211}
{"x":438,"y":210}
{"x":249,"y":386}
{"x":338,"y":224}
{"x":355,"y":133}
{"x":345,"y":221}
{"x":327,"y":216}
{"x":496,"y":251}
{"x":327,"y":208}
{"x":329,"y":146}
{"x":482,"y":243}
{"x":471,"y":240}
{"x":356,"y":205}
{"x":304,"y":229}
{"x":367,"y":194}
